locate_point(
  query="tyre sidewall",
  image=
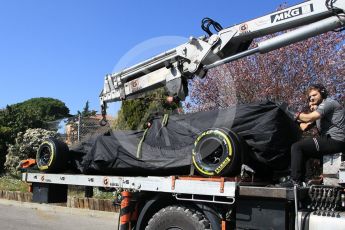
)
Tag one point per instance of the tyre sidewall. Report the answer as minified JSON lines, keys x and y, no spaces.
{"x":58,"y":158}
{"x":229,"y":161}
{"x":52,"y":160}
{"x":179,"y":217}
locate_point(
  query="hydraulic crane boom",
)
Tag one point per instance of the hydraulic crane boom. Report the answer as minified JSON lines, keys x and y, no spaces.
{"x":173,"y":68}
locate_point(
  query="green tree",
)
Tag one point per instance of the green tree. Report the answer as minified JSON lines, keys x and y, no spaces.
{"x":33,"y":113}
{"x":4,"y":139}
{"x":47,"y":109}
{"x":134,"y":113}
{"x":86,"y":111}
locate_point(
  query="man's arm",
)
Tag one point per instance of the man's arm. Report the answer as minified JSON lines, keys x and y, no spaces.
{"x":306,"y":126}
{"x":308,"y":117}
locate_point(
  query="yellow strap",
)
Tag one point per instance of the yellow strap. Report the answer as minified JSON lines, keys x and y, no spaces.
{"x":141,"y":143}
{"x":165,"y":119}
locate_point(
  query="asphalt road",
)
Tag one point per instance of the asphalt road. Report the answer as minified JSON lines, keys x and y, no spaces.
{"x":27,"y":216}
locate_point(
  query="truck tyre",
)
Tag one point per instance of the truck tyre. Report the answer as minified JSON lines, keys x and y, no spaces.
{"x":217,"y":152}
{"x":179,"y":218}
{"x":52,"y":156}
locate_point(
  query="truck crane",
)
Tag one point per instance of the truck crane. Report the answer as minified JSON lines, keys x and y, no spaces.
{"x":175,"y":67}
{"x":183,"y":202}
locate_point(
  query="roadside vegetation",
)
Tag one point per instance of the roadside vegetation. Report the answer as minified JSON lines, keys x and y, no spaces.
{"x":13,"y":183}
{"x":23,"y":127}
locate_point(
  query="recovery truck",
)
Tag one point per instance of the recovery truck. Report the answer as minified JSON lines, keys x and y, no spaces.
{"x":193,"y":202}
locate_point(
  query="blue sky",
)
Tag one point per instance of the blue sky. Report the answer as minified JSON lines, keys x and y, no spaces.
{"x":63,"y":48}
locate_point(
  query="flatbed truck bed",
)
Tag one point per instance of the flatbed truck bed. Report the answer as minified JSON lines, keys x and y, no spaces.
{"x":225,"y":202}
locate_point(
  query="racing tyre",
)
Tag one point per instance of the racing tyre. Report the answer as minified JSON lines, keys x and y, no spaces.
{"x":217,"y":152}
{"x":179,"y":218}
{"x":52,"y":156}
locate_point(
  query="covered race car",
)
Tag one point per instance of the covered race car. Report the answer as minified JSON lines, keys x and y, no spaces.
{"x":215,"y":142}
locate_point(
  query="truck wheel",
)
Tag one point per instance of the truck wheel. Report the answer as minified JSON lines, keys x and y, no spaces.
{"x":178,"y":218}
{"x":52,"y":155}
{"x":217,"y":152}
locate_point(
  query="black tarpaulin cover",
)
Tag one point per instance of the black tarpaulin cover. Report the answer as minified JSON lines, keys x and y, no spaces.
{"x":267,"y":128}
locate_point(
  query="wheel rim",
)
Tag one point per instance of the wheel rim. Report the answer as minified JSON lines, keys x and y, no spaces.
{"x":211,"y":151}
{"x":44,"y":156}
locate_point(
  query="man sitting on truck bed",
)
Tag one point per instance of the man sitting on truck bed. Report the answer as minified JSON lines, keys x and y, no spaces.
{"x":330,"y":121}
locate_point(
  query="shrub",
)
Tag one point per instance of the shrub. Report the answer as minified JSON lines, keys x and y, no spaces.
{"x":26,"y":146}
